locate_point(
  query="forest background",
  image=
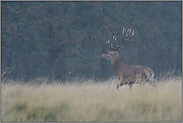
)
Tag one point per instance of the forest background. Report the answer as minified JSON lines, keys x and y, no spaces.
{"x":65,"y":40}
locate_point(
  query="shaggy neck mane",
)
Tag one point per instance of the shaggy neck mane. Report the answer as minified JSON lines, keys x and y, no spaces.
{"x":116,"y":63}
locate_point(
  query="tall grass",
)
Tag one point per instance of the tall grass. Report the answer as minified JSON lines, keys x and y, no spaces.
{"x":92,"y":102}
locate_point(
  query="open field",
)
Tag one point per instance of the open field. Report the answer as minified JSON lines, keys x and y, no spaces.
{"x":88,"y":101}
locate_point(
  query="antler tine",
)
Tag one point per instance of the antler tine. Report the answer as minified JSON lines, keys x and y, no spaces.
{"x":129,"y":34}
{"x":124,"y":31}
{"x":114,"y":40}
{"x":126,"y":35}
{"x":109,"y":44}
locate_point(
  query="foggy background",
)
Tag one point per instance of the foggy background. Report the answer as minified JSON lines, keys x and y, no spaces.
{"x":64,"y":40}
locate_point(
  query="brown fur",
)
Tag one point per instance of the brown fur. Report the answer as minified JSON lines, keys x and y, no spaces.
{"x":128,"y":73}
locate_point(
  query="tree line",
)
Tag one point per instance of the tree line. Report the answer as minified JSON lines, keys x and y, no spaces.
{"x":62,"y":40}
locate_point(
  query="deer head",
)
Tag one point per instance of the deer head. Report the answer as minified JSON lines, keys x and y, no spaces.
{"x":127,"y":73}
{"x":126,"y":35}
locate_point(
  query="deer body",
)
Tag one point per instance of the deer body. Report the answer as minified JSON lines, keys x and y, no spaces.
{"x":128,"y":73}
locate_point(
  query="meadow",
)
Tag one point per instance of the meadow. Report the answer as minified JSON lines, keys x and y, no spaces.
{"x":89,"y":101}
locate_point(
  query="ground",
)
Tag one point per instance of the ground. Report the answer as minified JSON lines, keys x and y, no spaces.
{"x":88,"y":101}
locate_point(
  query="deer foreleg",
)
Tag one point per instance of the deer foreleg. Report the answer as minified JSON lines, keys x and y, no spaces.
{"x":121,"y":78}
{"x":130,"y":85}
{"x":120,"y":84}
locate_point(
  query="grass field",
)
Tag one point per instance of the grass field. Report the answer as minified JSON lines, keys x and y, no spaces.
{"x":89,"y":101}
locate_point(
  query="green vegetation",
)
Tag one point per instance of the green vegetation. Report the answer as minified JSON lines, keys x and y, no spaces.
{"x":63,"y":40}
{"x":92,"y":102}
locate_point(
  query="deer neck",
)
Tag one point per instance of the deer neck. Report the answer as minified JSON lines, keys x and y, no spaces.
{"x":116,"y":63}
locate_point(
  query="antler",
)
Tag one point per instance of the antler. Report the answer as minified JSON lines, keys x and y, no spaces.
{"x":126,"y":35}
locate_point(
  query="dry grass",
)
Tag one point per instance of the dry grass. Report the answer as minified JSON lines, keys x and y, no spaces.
{"x":92,"y":102}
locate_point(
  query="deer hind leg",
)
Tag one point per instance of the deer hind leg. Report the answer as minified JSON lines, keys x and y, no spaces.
{"x":150,"y":79}
{"x":140,"y":79}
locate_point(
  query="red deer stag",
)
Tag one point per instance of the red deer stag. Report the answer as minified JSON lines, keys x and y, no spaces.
{"x":127,"y":73}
